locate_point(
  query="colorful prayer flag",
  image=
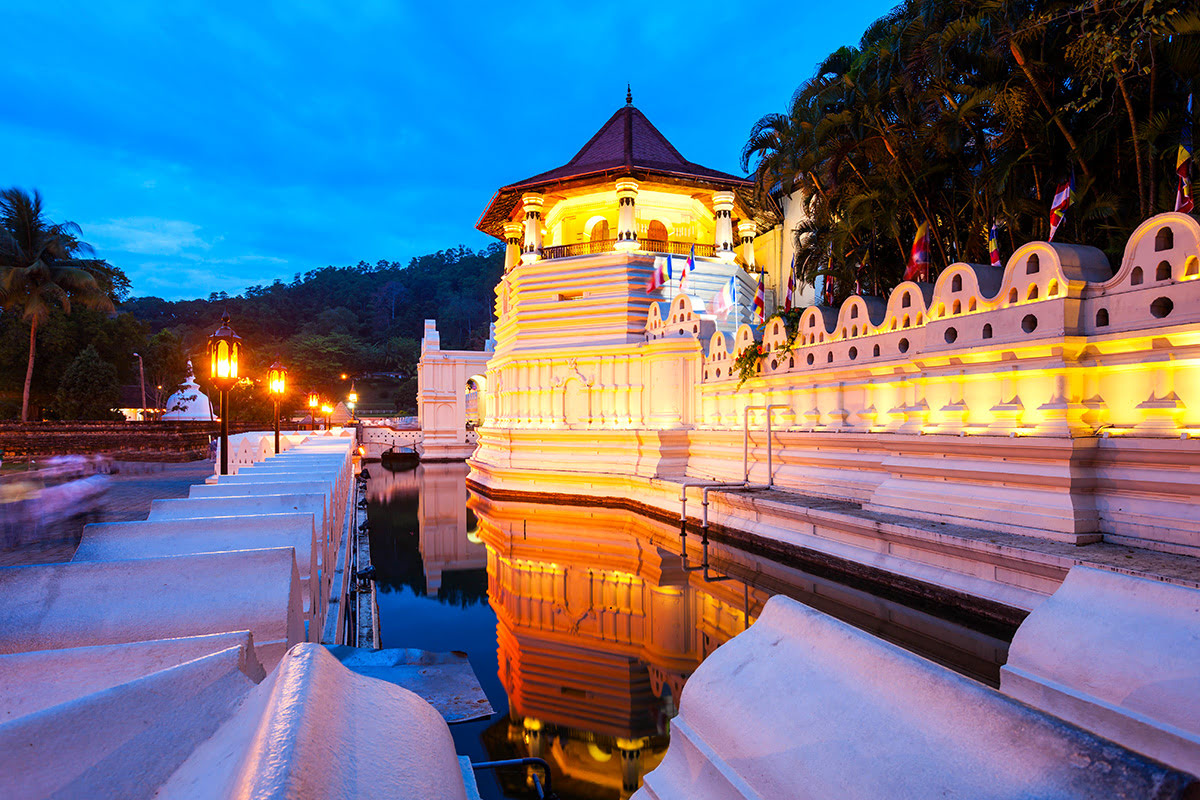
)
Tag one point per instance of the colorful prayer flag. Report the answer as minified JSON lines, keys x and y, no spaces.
{"x":994,"y":245}
{"x":661,"y":275}
{"x":688,"y":266}
{"x":760,"y":301}
{"x":789,"y":298}
{"x":828,"y":294}
{"x":1062,"y":201}
{"x":1184,"y":201}
{"x":918,"y":259}
{"x":723,"y":302}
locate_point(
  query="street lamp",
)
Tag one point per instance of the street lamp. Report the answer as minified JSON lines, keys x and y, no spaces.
{"x":327,"y":410}
{"x":224,"y":352}
{"x":314,"y":400}
{"x":142,"y":375}
{"x":277,"y":385}
{"x":352,"y":399}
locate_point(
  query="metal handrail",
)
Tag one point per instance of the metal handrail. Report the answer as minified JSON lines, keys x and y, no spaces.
{"x":542,"y":791}
{"x":578,"y":249}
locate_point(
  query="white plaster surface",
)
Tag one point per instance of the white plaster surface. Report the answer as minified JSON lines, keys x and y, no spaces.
{"x":53,"y":606}
{"x":804,"y":706}
{"x":313,"y":729}
{"x":44,"y":678}
{"x":117,"y":541}
{"x":291,"y":503}
{"x":1118,"y":655}
{"x":124,"y":741}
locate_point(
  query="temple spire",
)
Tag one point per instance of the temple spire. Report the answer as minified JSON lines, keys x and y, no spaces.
{"x":628,"y":95}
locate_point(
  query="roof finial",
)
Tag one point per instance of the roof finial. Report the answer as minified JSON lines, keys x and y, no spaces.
{"x":628,"y":95}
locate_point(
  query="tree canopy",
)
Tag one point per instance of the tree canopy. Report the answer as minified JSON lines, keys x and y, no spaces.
{"x":965,"y":114}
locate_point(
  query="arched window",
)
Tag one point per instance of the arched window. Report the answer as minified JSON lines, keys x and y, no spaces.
{"x":599,"y":231}
{"x":1135,"y":278}
{"x":956,"y":283}
{"x":657,"y":232}
{"x":1164,"y":239}
{"x":1163,"y":273}
{"x":1033,"y":264}
{"x":1102,"y":318}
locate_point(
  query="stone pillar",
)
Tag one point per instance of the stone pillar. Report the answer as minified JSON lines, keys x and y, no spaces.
{"x":627,"y":189}
{"x":532,"y":205}
{"x":723,"y":206}
{"x":514,"y":233}
{"x":746,"y":233}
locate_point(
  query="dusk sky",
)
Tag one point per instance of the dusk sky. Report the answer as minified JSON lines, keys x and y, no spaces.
{"x":212,"y":146}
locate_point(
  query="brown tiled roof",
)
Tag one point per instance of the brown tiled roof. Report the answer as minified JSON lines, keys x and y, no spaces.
{"x":628,"y":144}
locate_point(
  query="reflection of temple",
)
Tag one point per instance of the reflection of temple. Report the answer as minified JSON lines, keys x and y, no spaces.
{"x":443,"y":530}
{"x":598,"y":628}
{"x":600,"y":624}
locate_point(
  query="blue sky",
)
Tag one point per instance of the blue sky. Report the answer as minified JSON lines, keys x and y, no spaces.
{"x":211,"y":146}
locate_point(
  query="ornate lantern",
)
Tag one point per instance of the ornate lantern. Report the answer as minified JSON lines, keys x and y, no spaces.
{"x":276,"y":386}
{"x":277,"y":379}
{"x":224,"y":353}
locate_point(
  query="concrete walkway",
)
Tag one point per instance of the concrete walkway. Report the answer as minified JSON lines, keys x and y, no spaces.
{"x":128,"y":498}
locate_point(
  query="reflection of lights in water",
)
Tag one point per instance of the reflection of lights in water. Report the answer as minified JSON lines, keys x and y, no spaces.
{"x":597,"y":622}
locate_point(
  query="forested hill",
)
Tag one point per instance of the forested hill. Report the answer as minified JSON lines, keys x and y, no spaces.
{"x":358,"y":320}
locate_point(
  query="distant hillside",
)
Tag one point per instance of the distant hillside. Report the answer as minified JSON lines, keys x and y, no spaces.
{"x":354,"y":320}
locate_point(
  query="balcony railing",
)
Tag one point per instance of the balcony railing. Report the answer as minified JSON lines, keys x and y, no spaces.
{"x":644,"y":245}
{"x":578,"y":249}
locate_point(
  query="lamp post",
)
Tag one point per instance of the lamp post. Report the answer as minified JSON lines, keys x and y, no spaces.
{"x":142,"y":376}
{"x":327,"y":410}
{"x":352,"y":400}
{"x":314,"y":400}
{"x":224,"y":352}
{"x":277,"y":385}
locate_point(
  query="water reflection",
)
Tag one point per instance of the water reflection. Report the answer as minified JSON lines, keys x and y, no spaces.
{"x":597,"y":620}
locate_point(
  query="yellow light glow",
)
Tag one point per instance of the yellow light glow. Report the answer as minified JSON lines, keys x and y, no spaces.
{"x":313,"y":400}
{"x":327,"y":409}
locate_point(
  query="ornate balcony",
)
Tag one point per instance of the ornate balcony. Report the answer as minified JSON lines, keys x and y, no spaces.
{"x":644,"y":245}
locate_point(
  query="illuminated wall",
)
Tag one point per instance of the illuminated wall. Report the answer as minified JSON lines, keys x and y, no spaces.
{"x":1053,"y":397}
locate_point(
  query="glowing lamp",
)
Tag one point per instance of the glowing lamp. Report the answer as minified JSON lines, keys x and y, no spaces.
{"x":277,"y":379}
{"x":327,"y":409}
{"x":314,"y":399}
{"x":353,"y":396}
{"x":224,"y":352}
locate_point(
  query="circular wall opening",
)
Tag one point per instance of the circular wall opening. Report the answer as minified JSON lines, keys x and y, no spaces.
{"x":903,"y":345}
{"x":1162,"y":307}
{"x":1029,"y":324}
{"x":951,"y":335}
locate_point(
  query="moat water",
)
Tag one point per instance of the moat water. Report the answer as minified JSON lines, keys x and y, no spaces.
{"x":583,"y":623}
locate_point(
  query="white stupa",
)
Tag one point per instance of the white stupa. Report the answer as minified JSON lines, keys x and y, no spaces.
{"x":189,"y":402}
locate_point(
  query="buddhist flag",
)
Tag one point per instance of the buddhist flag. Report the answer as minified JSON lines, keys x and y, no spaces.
{"x":661,"y":275}
{"x":1184,"y":201}
{"x":688,"y":266}
{"x":994,"y":245}
{"x":760,"y":301}
{"x":725,"y":299}
{"x":918,"y":260}
{"x":790,"y":297}
{"x":1062,"y":201}
{"x":828,"y":294}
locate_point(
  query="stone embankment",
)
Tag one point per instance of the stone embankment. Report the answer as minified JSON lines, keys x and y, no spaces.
{"x":170,"y":653}
{"x":129,"y":441}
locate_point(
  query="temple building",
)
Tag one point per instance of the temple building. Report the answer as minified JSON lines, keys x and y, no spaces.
{"x":623,"y":205}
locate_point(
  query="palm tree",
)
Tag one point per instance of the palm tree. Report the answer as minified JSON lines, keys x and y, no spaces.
{"x":40,"y":269}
